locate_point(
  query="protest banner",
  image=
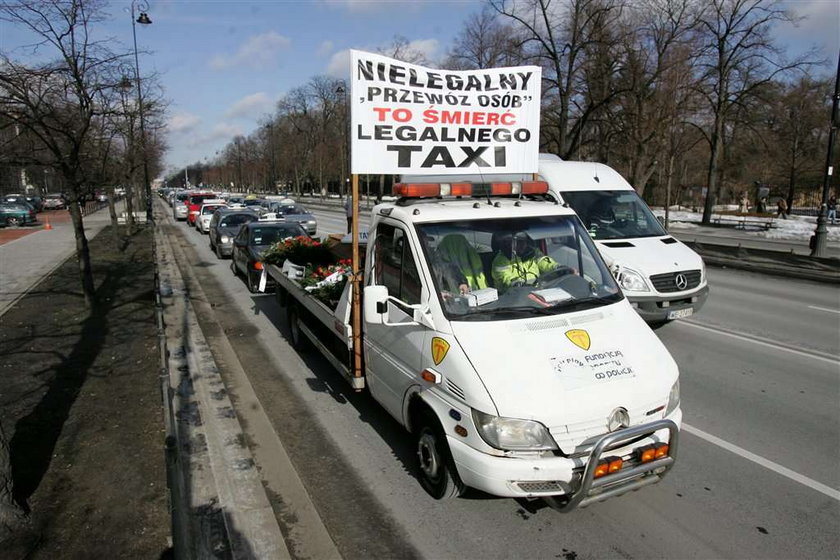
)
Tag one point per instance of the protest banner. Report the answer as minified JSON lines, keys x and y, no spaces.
{"x":408,"y":119}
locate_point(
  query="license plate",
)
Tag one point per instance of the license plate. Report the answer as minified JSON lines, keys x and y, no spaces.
{"x":680,"y":313}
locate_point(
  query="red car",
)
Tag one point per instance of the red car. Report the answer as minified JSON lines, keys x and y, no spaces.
{"x":194,"y":203}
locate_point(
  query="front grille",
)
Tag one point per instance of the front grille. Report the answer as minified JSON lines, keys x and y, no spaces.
{"x":668,"y":282}
{"x":541,"y":486}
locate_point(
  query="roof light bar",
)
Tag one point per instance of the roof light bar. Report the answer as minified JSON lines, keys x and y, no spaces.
{"x":424,"y":190}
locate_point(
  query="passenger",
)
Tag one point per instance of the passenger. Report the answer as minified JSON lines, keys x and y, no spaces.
{"x":518,"y":260}
{"x":460,"y":265}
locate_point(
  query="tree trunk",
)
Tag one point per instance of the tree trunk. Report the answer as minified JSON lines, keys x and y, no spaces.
{"x":112,"y":210}
{"x":669,"y":177}
{"x":83,"y":254}
{"x":792,"y":178}
{"x":712,"y":176}
{"x":129,"y":207}
{"x":12,"y":517}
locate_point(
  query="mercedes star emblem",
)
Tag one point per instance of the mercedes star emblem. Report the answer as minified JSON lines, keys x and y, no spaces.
{"x":619,"y":418}
{"x":681,"y":281}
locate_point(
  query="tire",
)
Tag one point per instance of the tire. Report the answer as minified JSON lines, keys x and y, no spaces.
{"x":438,"y":475}
{"x":297,"y":339}
{"x":253,"y":287}
{"x":655,"y":325}
{"x":556,"y":502}
{"x":233,"y":268}
{"x":13,"y":221}
{"x":218,"y":251}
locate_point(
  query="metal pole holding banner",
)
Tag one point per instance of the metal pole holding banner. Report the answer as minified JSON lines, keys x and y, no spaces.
{"x":356,"y":279}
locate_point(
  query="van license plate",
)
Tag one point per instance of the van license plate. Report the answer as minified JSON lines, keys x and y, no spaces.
{"x":680,"y":313}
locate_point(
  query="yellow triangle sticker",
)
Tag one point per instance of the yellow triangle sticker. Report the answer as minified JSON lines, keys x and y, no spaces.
{"x":439,"y":349}
{"x":579,"y":338}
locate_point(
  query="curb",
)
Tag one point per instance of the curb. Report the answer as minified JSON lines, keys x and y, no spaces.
{"x":220,"y":508}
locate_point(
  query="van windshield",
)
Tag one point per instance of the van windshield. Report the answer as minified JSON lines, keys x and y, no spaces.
{"x":614,"y":214}
{"x":486,"y":270}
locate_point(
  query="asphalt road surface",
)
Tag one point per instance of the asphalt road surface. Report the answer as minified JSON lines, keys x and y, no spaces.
{"x":757,"y":475}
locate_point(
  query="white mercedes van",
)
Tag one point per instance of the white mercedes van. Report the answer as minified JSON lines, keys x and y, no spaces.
{"x":662,"y":278}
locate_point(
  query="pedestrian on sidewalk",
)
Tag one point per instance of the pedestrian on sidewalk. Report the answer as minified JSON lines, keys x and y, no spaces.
{"x":832,"y":209}
{"x":348,"y":210}
{"x":781,"y":209}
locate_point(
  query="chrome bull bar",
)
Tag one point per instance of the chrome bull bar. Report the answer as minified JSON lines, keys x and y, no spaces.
{"x":625,"y":480}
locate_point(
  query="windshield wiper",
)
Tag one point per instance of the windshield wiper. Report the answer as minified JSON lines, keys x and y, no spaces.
{"x":521,"y":310}
{"x":594,"y":301}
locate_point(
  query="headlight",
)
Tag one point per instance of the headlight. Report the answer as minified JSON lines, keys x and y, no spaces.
{"x":702,"y":271}
{"x":311,"y":222}
{"x":673,"y":398}
{"x":631,"y":281}
{"x":225,"y":239}
{"x":512,"y":433}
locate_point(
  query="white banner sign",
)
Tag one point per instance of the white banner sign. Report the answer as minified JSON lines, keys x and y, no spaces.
{"x":407,"y":119}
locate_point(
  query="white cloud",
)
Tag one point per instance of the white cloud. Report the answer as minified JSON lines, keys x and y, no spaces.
{"x":250,"y":106}
{"x":222,"y":131}
{"x":258,"y":52}
{"x":182,"y":123}
{"x":339,"y":64}
{"x":325,"y":48}
{"x":817,"y":28}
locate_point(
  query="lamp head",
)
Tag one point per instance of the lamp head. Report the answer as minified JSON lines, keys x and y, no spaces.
{"x":144,"y":19}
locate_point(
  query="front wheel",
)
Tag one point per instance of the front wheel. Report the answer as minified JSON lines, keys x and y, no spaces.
{"x":13,"y":221}
{"x":253,"y":286}
{"x":438,"y":475}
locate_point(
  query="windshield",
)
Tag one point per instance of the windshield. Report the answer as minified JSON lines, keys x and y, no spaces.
{"x":251,"y":202}
{"x":614,"y":214}
{"x":268,"y":235}
{"x":237,"y":220}
{"x":513,"y":267}
{"x":210,"y":209}
{"x":289,"y":209}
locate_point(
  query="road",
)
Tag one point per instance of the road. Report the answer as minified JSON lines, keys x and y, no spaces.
{"x":757,"y":475}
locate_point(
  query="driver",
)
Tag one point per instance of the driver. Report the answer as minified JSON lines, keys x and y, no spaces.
{"x":518,"y":261}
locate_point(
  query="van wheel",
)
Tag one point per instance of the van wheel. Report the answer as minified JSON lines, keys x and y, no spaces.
{"x":219,"y":254}
{"x":556,"y":502}
{"x":296,"y":336}
{"x":438,"y":475}
{"x":654,"y":325}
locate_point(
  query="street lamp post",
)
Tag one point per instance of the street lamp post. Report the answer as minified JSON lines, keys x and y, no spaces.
{"x":272,"y":180}
{"x":821,"y":233}
{"x":143,"y":19}
{"x":342,"y":91}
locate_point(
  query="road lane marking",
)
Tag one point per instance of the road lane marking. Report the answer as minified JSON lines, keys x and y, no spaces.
{"x":770,"y":343}
{"x":823,"y":309}
{"x":775,"y":467}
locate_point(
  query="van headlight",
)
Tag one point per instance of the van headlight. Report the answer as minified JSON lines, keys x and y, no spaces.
{"x":673,"y":398}
{"x":225,"y":239}
{"x":511,"y":433}
{"x":631,"y":281}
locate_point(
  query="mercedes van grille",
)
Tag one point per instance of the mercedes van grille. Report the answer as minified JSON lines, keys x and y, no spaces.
{"x":668,"y":282}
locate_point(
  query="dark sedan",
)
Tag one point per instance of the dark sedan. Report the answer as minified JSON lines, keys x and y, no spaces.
{"x":224,"y":225}
{"x":248,"y":246}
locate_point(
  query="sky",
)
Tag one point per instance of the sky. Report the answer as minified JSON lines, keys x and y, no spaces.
{"x":224,"y":64}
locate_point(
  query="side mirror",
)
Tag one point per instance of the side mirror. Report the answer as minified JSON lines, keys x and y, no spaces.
{"x":376,"y":304}
{"x":376,"y":301}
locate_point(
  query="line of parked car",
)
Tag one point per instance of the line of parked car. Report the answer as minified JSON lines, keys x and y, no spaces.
{"x":240,"y":227}
{"x":20,"y":209}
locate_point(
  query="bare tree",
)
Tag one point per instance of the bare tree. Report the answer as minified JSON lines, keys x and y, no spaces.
{"x":484,"y":42}
{"x":560,"y":36}
{"x":737,"y":58}
{"x":56,"y":103}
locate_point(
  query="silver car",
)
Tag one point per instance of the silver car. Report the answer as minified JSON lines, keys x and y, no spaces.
{"x":296,"y":213}
{"x":224,"y":225}
{"x":179,"y":206}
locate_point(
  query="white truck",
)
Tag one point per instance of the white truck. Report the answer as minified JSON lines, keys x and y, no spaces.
{"x":490,"y":327}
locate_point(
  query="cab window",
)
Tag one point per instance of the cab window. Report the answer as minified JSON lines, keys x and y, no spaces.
{"x":395,"y":267}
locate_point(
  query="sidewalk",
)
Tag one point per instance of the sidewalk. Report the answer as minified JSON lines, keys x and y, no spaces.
{"x":26,"y":261}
